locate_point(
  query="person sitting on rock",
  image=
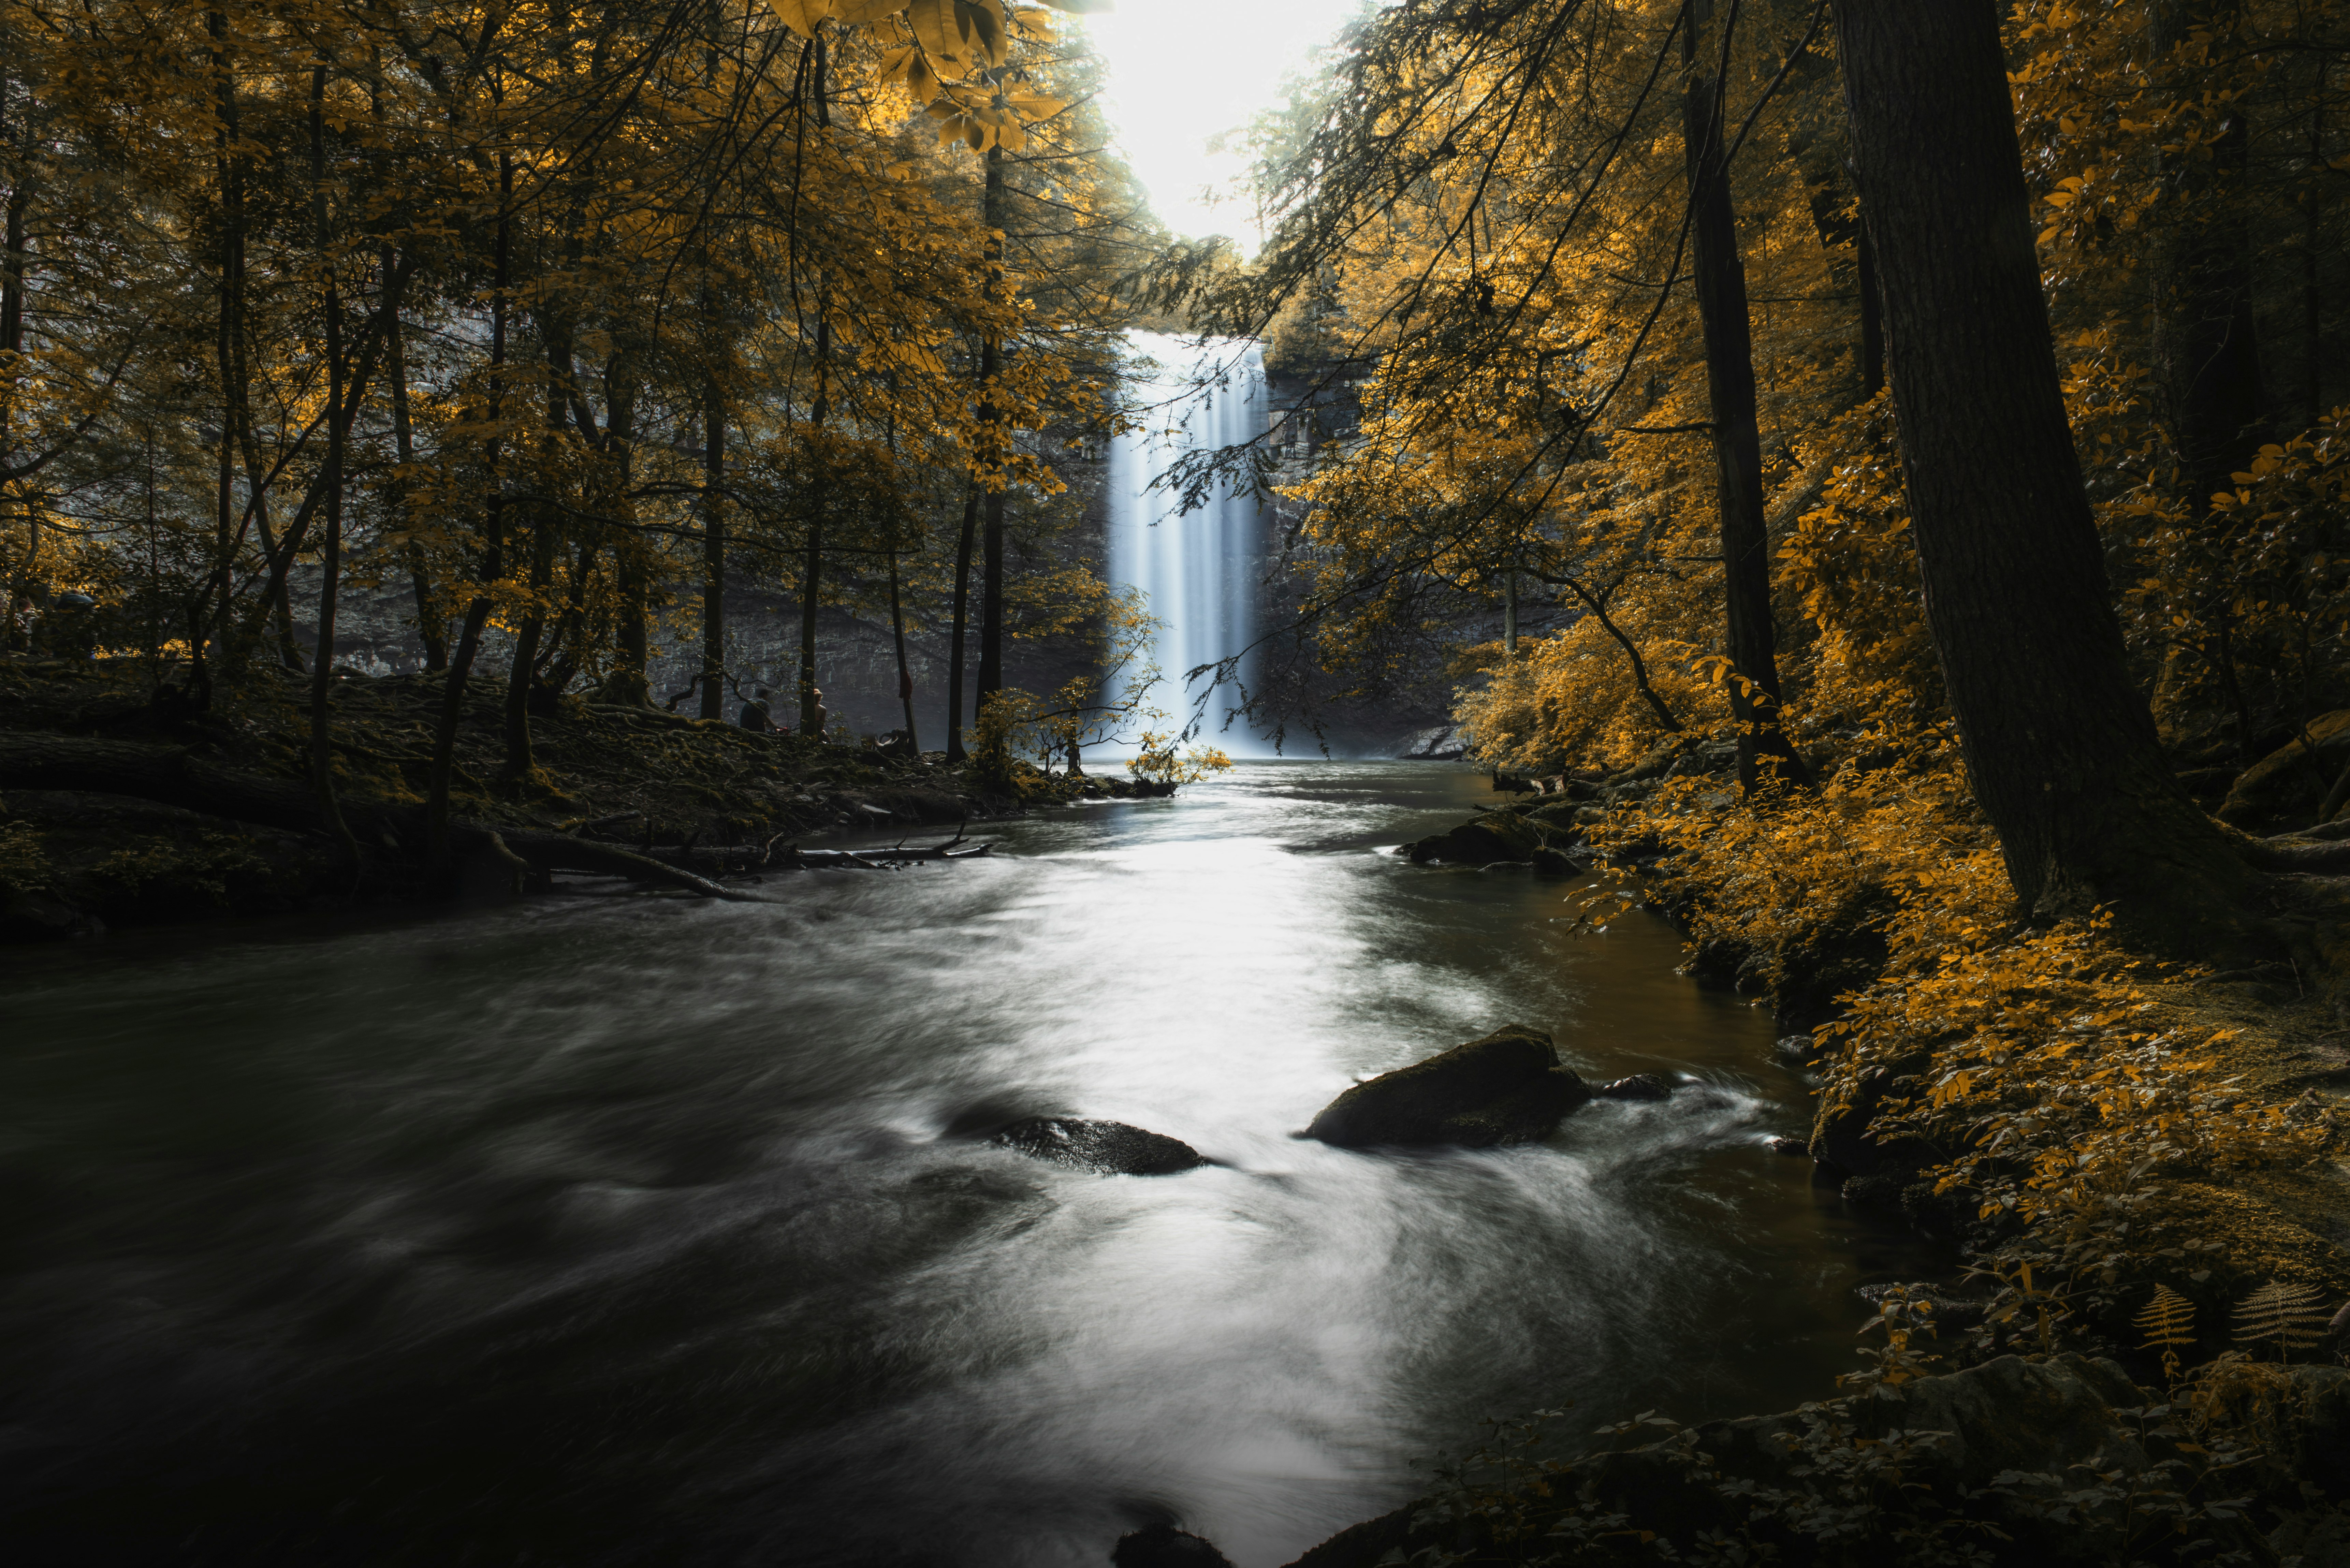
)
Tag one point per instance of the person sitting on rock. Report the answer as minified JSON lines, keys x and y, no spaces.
{"x":755,"y":717}
{"x":819,"y":719}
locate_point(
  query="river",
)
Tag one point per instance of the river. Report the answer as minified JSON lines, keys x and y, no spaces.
{"x":606,"y":1229}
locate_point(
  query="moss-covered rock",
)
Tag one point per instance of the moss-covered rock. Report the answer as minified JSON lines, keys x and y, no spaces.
{"x":1507,"y":1087}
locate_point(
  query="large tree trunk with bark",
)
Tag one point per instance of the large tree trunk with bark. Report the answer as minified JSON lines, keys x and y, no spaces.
{"x":995,"y":458}
{"x":2207,"y":348}
{"x":1763,"y":749}
{"x":2058,"y":741}
{"x":959,"y":634}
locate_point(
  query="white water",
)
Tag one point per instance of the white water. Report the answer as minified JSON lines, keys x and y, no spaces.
{"x":1198,"y":567}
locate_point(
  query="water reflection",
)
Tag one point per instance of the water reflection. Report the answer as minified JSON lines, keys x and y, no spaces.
{"x":609,"y":1230}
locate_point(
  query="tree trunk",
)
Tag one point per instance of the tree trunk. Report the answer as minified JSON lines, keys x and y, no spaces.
{"x":1872,"y":322}
{"x":19,"y":586}
{"x":2057,"y":740}
{"x":1763,"y":750}
{"x":527,"y":637}
{"x":963,"y":543}
{"x":819,"y":498}
{"x":905,"y":676}
{"x":322,"y":662}
{"x":230,"y":173}
{"x":996,"y":456}
{"x":991,"y":613}
{"x":2207,"y":348}
{"x":431,"y":629}
{"x":493,"y":565}
{"x":2313,"y":253}
{"x":631,"y":576}
{"x":713,"y":554}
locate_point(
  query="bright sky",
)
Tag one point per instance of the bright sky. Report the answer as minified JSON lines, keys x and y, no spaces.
{"x":1181,"y":73}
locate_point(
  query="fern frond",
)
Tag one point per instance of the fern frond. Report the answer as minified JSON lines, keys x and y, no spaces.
{"x":2289,"y":1316}
{"x":2168,"y":1319}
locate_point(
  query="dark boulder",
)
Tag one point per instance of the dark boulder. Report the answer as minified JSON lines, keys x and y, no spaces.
{"x":1507,"y":1087}
{"x":1639,"y":1087}
{"x":1113,"y":1148}
{"x":1844,"y":1132}
{"x":1164,"y":1546}
{"x":1562,"y":817}
{"x":1496,"y":835}
{"x":1554,"y":862}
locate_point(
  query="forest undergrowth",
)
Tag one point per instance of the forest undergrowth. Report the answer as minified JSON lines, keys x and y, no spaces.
{"x":705,"y":794}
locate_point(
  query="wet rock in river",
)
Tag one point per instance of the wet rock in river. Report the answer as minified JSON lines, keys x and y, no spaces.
{"x":1496,"y":835}
{"x":1639,"y":1087}
{"x":1164,"y":1546}
{"x":1507,"y":1087}
{"x":1113,"y":1148}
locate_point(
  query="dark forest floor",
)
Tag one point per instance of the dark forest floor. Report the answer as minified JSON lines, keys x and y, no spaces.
{"x":703,"y":794}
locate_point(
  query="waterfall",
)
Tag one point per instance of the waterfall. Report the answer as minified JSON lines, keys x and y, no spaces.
{"x":1198,"y":566}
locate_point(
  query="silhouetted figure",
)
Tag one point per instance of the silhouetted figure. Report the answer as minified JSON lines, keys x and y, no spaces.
{"x":822,"y":721}
{"x":756,"y":715}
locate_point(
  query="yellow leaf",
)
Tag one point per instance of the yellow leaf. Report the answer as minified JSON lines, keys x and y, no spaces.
{"x":933,"y":22}
{"x":1035,"y":25}
{"x":983,"y":27}
{"x":920,"y":80}
{"x":801,"y":15}
{"x":1035,"y":106}
{"x":857,"y":13}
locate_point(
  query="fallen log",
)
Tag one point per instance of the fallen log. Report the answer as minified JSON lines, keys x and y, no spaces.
{"x":874,"y":859}
{"x":550,"y":852}
{"x":173,"y":775}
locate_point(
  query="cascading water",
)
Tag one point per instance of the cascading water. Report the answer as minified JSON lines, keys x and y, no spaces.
{"x":1198,"y":567}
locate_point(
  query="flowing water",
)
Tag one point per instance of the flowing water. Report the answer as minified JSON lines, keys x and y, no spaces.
{"x":610,"y":1228}
{"x":1196,"y":567}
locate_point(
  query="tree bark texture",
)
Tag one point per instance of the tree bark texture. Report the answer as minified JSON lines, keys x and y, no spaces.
{"x":2207,"y":347}
{"x":2058,"y":741}
{"x":958,"y":634}
{"x":819,"y":501}
{"x":432,"y":628}
{"x":998,"y":452}
{"x":322,"y":673}
{"x":905,"y":676}
{"x":714,"y":557}
{"x":1763,"y":749}
{"x":492,"y":561}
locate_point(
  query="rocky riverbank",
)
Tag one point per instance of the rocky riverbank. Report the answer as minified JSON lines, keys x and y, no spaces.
{"x":119,"y":808}
{"x":2022,"y":1460}
{"x":2138,"y":1163}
